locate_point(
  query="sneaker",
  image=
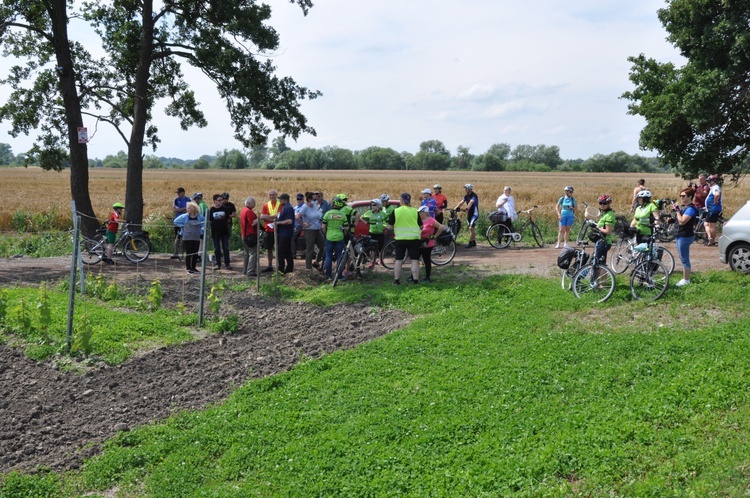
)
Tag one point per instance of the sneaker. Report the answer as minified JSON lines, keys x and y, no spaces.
{"x":267,"y":269}
{"x":396,"y":282}
{"x":174,"y":256}
{"x":192,"y":272}
{"x":557,"y":246}
{"x":682,"y":283}
{"x":251,"y":274}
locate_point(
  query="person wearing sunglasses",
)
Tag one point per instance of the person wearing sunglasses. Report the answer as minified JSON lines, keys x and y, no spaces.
{"x":375,"y":218}
{"x":606,"y":226}
{"x":686,"y":216}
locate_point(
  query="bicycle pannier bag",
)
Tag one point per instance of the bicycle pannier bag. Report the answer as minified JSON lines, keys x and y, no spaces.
{"x":565,"y":258}
{"x":445,"y":237}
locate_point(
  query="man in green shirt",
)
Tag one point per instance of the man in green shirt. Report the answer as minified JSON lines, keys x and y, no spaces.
{"x":335,"y":224}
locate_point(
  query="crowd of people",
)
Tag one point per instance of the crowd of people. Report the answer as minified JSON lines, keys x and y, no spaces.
{"x":280,"y":226}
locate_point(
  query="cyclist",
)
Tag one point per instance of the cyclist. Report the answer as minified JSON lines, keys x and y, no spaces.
{"x":471,"y":201}
{"x":179,"y":206}
{"x":639,"y":187}
{"x":714,"y":208}
{"x":686,"y":215}
{"x":115,"y":218}
{"x":203,"y":211}
{"x":441,"y":200}
{"x":375,"y":217}
{"x":388,"y":208}
{"x":507,"y":204}
{"x":430,"y":202}
{"x":643,"y":213}
{"x":606,"y":226}
{"x":352,"y":216}
{"x":406,"y":226}
{"x":701,"y":192}
{"x":566,"y":213}
{"x":334,"y":226}
{"x":431,"y":229}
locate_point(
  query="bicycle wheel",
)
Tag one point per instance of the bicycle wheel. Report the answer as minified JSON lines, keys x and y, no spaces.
{"x":594,"y":284}
{"x":366,"y":261}
{"x":388,"y":254}
{"x":569,"y":273}
{"x":649,"y":280}
{"x":92,"y":251}
{"x":666,"y":230}
{"x":621,"y":256}
{"x":136,"y":249}
{"x":498,"y":236}
{"x":443,"y":254}
{"x":667,"y":258}
{"x":537,"y":234}
{"x":341,"y":266}
{"x":700,"y":231}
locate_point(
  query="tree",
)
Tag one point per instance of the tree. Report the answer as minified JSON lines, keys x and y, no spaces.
{"x":463,"y":158}
{"x":381,"y":158}
{"x":6,"y":155}
{"x":434,"y":147}
{"x":117,"y":161}
{"x":279,"y":146}
{"x":36,"y":32}
{"x":232,"y":159}
{"x":698,"y":116}
{"x":228,"y":41}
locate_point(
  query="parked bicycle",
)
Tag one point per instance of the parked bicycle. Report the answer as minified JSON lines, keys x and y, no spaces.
{"x":500,"y":234}
{"x":623,"y":254}
{"x":700,"y":226}
{"x":359,"y":257}
{"x":594,"y":281}
{"x":590,"y":213}
{"x":650,"y":277}
{"x":442,"y":253}
{"x":134,"y":245}
{"x":570,"y":261}
{"x":668,"y":224}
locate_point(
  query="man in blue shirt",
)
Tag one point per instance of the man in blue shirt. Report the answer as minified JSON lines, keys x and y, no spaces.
{"x":471,"y":201}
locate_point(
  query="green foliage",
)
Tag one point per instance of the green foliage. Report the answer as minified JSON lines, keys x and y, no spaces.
{"x":226,"y":325}
{"x":81,"y":342}
{"x":36,"y":245}
{"x":155,"y":295}
{"x":42,"y":485}
{"x":214,"y":298}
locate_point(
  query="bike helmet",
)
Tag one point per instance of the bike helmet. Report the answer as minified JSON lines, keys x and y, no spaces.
{"x":338,"y":202}
{"x":118,"y":205}
{"x":605,"y":199}
{"x":197,"y":196}
{"x":423,"y":209}
{"x":469,"y":186}
{"x":225,"y":195}
{"x":437,"y":187}
{"x":712,"y":178}
{"x":376,"y":202}
{"x":644,"y":194}
{"x":568,"y":189}
{"x":385,"y":198}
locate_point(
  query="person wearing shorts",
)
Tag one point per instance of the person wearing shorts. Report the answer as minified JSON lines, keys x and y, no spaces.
{"x":471,"y":201}
{"x":566,"y":213}
{"x":714,"y":208}
{"x":112,"y":226}
{"x":406,"y":225}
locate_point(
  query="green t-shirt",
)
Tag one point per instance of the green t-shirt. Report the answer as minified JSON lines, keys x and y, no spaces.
{"x":376,"y":221}
{"x":607,"y":218}
{"x":335,"y":220}
{"x":642,"y":215}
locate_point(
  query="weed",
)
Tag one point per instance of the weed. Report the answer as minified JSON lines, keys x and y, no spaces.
{"x":155,"y":295}
{"x":82,"y":338}
{"x":227,"y":325}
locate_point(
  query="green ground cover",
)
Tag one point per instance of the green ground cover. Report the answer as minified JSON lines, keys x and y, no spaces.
{"x":502,"y":386}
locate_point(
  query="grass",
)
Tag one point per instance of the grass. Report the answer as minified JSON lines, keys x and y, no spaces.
{"x":503,"y":386}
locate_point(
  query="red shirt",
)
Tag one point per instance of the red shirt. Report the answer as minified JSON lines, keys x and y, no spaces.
{"x":441,"y":200}
{"x":247,"y":217}
{"x":113,"y":225}
{"x":701,"y":192}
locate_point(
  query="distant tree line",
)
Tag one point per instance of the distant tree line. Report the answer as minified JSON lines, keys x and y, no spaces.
{"x":432,"y":155}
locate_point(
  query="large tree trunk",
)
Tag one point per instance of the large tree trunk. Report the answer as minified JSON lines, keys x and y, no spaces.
{"x":79,"y":162}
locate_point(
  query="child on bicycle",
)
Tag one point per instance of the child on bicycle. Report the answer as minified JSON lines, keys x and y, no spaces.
{"x":112,"y":226}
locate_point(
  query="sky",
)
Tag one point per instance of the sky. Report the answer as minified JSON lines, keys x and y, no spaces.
{"x":395,"y":73}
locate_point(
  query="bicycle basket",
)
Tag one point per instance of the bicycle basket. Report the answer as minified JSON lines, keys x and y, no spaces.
{"x":565,"y":258}
{"x":498,"y":217}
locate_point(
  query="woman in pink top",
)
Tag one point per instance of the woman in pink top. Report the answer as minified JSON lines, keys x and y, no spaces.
{"x":430,"y":230}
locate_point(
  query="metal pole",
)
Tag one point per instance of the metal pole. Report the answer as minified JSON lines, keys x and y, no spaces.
{"x":204,"y":262}
{"x":257,"y":254}
{"x":73,"y":265}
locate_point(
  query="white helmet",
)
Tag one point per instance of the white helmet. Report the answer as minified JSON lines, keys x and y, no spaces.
{"x":469,"y":186}
{"x":384,"y":198}
{"x":644,"y":194}
{"x":376,"y":202}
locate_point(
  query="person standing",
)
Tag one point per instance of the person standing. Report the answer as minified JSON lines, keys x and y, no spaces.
{"x":431,"y":229}
{"x":430,"y":202}
{"x":566,"y":213}
{"x":686,"y":215}
{"x":322,"y":204}
{"x":406,"y":226}
{"x":310,"y":217}
{"x":714,"y":208}
{"x":507,"y":204}
{"x":375,"y":218}
{"x":471,"y":201}
{"x":219,"y":219}
{"x":115,"y":218}
{"x":268,"y":216}
{"x":249,"y":232}
{"x":284,"y":227}
{"x":334,"y":225}
{"x":701,"y":192}
{"x":191,"y":228}
{"x":179,"y":206}
{"x":441,"y":200}
{"x":297,"y":225}
{"x":640,"y":187}
{"x":606,"y":226}
{"x":645,"y":215}
{"x":203,"y":211}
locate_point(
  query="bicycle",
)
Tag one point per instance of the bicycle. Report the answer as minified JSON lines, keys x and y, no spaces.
{"x":624,"y":254}
{"x":360,"y":255}
{"x":134,"y":245}
{"x":650,"y":278}
{"x":594,"y":282}
{"x":668,"y":224}
{"x":589,"y":213}
{"x":442,"y":253}
{"x":700,"y":226}
{"x":499,"y":235}
{"x":454,"y":222}
{"x":570,"y":261}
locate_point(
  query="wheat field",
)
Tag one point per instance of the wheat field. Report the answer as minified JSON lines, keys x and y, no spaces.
{"x":34,"y":190}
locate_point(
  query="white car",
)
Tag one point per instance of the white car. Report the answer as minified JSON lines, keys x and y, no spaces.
{"x":734,"y":243}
